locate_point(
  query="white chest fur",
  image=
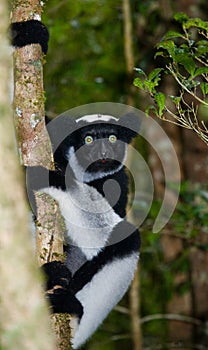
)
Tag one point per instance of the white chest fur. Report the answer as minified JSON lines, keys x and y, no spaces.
{"x":89,"y":218}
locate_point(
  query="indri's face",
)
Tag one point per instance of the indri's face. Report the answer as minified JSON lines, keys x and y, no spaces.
{"x":98,"y":149}
{"x":94,"y":150}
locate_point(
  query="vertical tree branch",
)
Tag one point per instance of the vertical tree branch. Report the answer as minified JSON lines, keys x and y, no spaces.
{"x":128,"y":49}
{"x":134,"y":298}
{"x":33,"y":140}
{"x":23,"y":312}
{"x":134,"y":295}
{"x":50,"y":237}
{"x":35,"y":148}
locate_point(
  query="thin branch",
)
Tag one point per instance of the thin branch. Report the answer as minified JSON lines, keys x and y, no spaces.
{"x":171,"y":70}
{"x":171,"y":317}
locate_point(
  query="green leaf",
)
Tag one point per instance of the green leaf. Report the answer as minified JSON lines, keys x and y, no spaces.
{"x":186,"y":61}
{"x":155,"y":73}
{"x":139,"y":71}
{"x":175,"y":99}
{"x":160,"y":99}
{"x":196,"y":22}
{"x":138,"y":83}
{"x":149,"y":108}
{"x":204,"y":88}
{"x":169,"y":46}
{"x":200,"y":71}
{"x":202,"y":47}
{"x":150,"y":85}
{"x":181,"y":17}
{"x":159,"y":53}
{"x":173,"y":34}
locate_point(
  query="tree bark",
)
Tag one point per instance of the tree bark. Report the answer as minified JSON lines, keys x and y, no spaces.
{"x":35,"y":148}
{"x":33,"y":140}
{"x":128,"y":50}
{"x":50,"y":237}
{"x":23,"y":312}
{"x":134,"y":294}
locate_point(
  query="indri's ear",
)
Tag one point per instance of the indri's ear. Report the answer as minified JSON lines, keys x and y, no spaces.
{"x":60,"y":128}
{"x":130,"y":123}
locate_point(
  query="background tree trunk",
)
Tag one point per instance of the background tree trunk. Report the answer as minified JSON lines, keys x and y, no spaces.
{"x":134,"y":293}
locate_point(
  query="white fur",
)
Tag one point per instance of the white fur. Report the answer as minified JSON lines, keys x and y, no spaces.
{"x":89,"y":218}
{"x":84,"y":176}
{"x":90,"y":118}
{"x":100,"y":295}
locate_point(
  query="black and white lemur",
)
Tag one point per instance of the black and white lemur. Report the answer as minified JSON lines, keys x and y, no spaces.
{"x":102,"y":247}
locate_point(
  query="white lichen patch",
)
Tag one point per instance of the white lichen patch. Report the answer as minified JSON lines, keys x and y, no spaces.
{"x":18,"y":112}
{"x":36,"y":16}
{"x":34,"y":120}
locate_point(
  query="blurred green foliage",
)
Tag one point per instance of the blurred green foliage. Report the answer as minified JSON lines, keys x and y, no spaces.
{"x":86,"y":64}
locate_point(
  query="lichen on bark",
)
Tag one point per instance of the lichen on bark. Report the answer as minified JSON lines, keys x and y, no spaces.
{"x":50,"y":230}
{"x":29,"y":97}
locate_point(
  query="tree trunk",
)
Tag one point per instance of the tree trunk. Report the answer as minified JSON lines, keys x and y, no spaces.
{"x":33,"y":140}
{"x":35,"y":148}
{"x":50,"y":237}
{"x":134,"y":293}
{"x":24,"y":320}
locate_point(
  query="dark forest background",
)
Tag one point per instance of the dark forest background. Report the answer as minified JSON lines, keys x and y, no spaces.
{"x":86,"y":63}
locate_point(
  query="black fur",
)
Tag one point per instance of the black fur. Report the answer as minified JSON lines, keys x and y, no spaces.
{"x":30,"y":32}
{"x":62,"y":299}
{"x":118,"y":250}
{"x":76,"y":139}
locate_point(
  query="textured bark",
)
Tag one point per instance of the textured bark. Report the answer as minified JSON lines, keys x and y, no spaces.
{"x":33,"y":140}
{"x":25,"y":10}
{"x":134,"y":294}
{"x":128,"y":50}
{"x":49,"y":230}
{"x":50,"y":236}
{"x":61,"y":325}
{"x":35,"y":148}
{"x":134,"y":297}
{"x":23,"y":312}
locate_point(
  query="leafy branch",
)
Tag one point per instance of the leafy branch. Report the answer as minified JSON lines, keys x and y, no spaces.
{"x":185,"y":54}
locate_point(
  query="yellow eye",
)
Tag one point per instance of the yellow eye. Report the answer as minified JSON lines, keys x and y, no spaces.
{"x":112,"y":138}
{"x":88,"y":140}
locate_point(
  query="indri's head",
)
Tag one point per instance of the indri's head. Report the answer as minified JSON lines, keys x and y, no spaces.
{"x":97,"y":146}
